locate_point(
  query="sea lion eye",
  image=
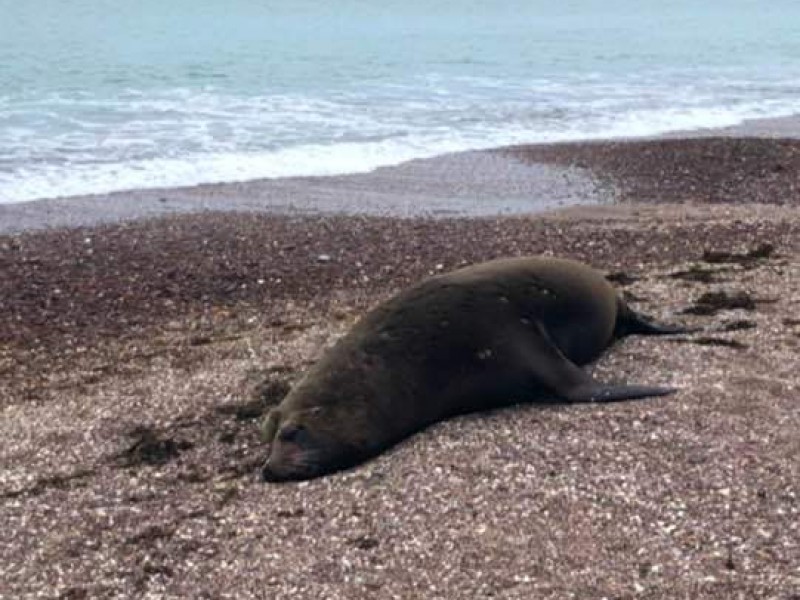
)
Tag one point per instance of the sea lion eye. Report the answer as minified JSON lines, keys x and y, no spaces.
{"x":293,"y":433}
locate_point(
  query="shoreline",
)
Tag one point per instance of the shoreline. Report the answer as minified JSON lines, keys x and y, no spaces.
{"x":447,"y":185}
{"x":520,"y":179}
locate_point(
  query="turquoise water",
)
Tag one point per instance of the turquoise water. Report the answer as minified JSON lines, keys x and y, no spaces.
{"x":98,"y":95}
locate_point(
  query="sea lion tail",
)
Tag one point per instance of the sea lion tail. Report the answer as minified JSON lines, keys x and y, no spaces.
{"x":629,"y":322}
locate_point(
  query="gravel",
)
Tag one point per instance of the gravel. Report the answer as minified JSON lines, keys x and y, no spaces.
{"x":136,"y":358}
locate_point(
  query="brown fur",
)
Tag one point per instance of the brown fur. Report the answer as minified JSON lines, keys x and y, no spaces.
{"x":510,"y":330}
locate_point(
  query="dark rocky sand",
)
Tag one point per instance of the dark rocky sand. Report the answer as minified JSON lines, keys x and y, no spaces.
{"x":135,"y":359}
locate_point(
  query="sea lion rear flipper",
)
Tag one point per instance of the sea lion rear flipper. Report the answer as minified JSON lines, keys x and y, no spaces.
{"x":630,"y":322}
{"x":550,"y":367}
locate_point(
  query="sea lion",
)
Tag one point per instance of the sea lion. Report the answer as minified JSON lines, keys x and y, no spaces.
{"x":501,"y":332}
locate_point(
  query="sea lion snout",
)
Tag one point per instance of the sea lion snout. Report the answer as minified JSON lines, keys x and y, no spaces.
{"x":283,"y":466}
{"x":303,"y":448}
{"x":270,"y":474}
{"x":292,"y":455}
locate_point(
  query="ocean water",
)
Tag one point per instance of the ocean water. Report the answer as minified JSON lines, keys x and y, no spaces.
{"x":101,"y":95}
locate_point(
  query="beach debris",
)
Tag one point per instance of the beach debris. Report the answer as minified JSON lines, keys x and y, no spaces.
{"x":150,"y":449}
{"x":227,"y":437}
{"x":364,"y":542}
{"x":631,"y":297}
{"x":150,"y":533}
{"x":263,"y":389}
{"x":200,"y":340}
{"x":324,"y":258}
{"x":695,"y":273}
{"x":711,"y":303}
{"x":621,"y":278}
{"x":762,"y":251}
{"x":712,"y":341}
{"x":290,"y":513}
{"x":10,"y":244}
{"x":59,"y":481}
{"x":244,"y":411}
{"x":265,"y":395}
{"x":738,"y":325}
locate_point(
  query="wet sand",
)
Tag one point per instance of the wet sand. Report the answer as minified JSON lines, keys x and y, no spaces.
{"x":136,"y":358}
{"x":465,"y":184}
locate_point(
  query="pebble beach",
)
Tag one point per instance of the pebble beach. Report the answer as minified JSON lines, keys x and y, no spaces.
{"x":144,"y":333}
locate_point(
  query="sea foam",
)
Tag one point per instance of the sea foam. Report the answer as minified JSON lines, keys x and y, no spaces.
{"x":85,"y":144}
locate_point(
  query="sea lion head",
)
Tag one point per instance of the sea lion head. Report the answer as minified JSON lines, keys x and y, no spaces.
{"x":305,"y":444}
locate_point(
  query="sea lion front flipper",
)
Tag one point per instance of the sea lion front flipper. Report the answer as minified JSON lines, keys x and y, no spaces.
{"x":600,"y":392}
{"x":269,"y":426}
{"x":550,"y":367}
